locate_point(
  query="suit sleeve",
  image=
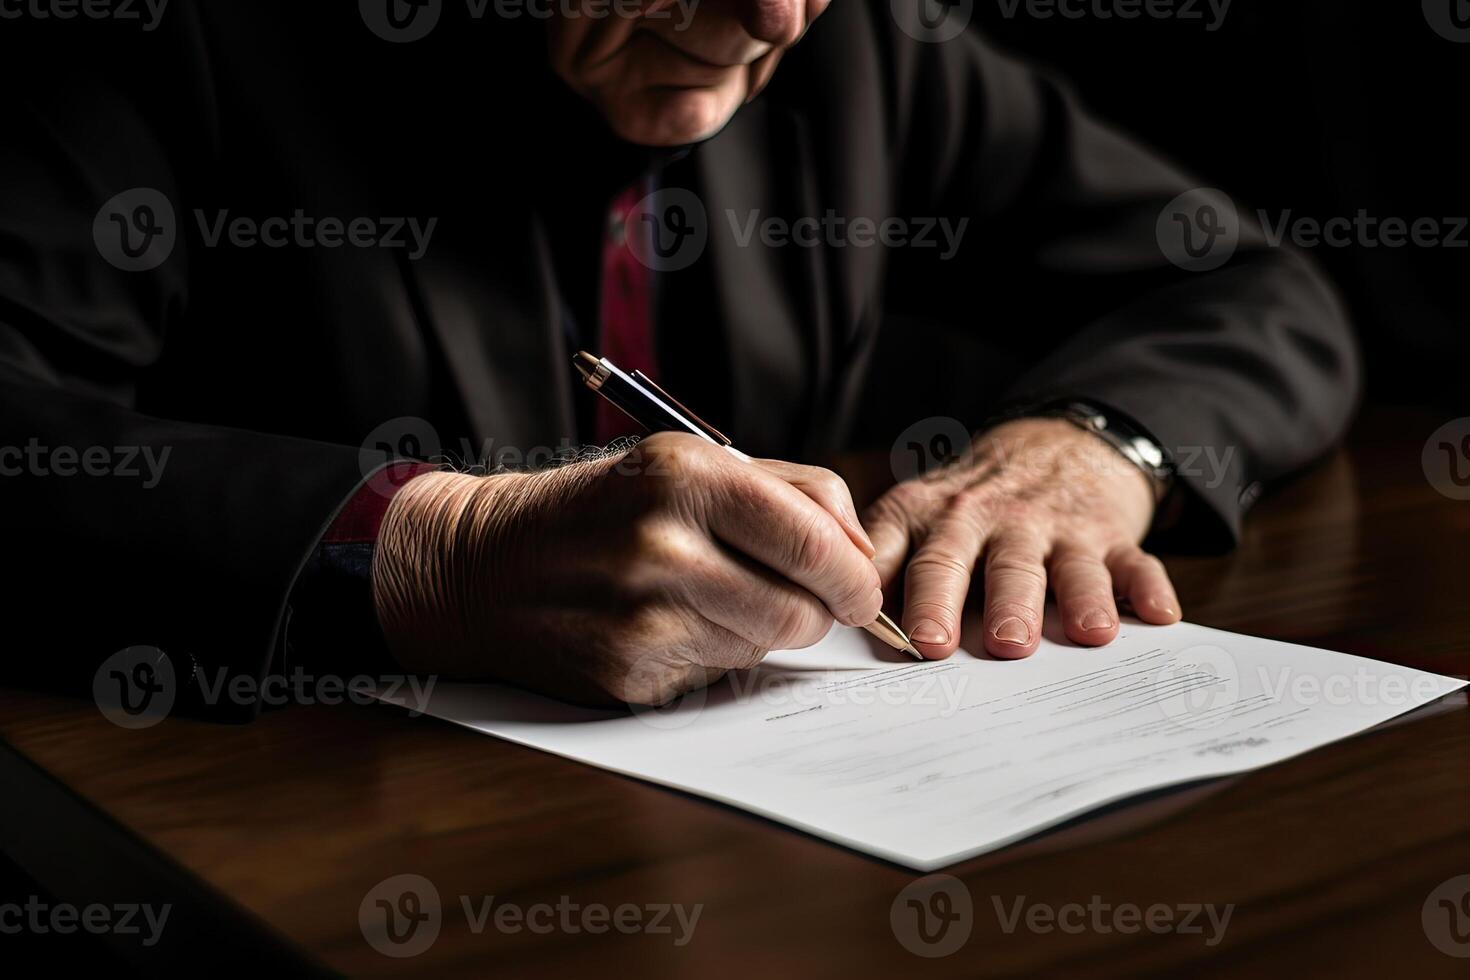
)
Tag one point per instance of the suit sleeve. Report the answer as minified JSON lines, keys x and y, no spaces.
{"x":127,"y":527}
{"x":1125,"y":282}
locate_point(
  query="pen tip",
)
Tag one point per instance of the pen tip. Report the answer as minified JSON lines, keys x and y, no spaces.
{"x":585,"y":362}
{"x":908,"y":649}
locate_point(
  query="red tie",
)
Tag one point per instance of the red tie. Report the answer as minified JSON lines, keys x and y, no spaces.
{"x":625,"y":334}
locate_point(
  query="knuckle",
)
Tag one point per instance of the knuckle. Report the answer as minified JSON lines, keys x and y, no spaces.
{"x":1002,"y":609}
{"x":909,"y":498}
{"x":941,"y":607}
{"x":887,"y":509}
{"x":813,"y":546}
{"x":676,"y":454}
{"x":1076,"y":566}
{"x":667,"y":544}
{"x":1017,"y":570}
{"x":938,"y":562}
{"x":976,"y":501}
{"x":829,"y":482}
{"x":797,"y":623}
{"x":1086,"y":599}
{"x":1150,"y":563}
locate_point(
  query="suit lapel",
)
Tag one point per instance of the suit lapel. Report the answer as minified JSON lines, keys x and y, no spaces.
{"x":770,"y":300}
{"x":496,"y":316}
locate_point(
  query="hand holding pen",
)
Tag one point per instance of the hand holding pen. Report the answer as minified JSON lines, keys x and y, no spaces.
{"x":657,"y":411}
{"x":635,"y":577}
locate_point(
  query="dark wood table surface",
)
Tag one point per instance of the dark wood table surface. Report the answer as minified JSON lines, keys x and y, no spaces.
{"x":276,"y":830}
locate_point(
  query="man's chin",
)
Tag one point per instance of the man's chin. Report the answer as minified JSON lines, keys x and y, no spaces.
{"x":674,"y":116}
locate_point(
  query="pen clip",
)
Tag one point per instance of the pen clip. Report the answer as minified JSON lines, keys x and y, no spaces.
{"x":709,"y":430}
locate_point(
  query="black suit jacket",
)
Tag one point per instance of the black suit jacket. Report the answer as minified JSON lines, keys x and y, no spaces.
{"x":262,"y":371}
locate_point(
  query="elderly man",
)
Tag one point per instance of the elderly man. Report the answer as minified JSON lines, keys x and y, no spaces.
{"x":256,"y":239}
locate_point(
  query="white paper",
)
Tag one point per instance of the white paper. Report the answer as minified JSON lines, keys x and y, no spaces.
{"x":925,"y":764}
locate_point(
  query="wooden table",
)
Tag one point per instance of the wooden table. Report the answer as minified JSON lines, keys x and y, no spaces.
{"x":268,"y":836}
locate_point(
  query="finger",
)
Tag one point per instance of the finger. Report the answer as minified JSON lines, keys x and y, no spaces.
{"x":938,"y":581}
{"x":765,"y":518}
{"x":1143,"y":579}
{"x":656,"y":655}
{"x":719,"y":649}
{"x":898,"y":522}
{"x":888,"y":529}
{"x":763,"y":609}
{"x":1015,"y":592}
{"x":828,"y":490}
{"x":1084,"y":590}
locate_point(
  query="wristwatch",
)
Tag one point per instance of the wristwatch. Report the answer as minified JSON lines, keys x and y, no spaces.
{"x":1135,"y":445}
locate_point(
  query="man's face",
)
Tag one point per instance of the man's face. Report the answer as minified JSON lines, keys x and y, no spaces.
{"x":676,"y":72}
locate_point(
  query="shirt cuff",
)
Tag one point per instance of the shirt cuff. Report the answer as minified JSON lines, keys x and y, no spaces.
{"x":332,"y":625}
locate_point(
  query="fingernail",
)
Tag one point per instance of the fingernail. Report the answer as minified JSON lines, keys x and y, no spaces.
{"x":1097,"y":619}
{"x":1163,"y":605}
{"x":1012,"y":630}
{"x":928,"y":631}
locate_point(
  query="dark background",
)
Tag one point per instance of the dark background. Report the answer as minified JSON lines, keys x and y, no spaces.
{"x":1320,"y":107}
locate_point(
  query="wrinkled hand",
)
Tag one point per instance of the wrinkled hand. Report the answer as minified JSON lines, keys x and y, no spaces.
{"x":634,"y":577}
{"x":1041,"y":501}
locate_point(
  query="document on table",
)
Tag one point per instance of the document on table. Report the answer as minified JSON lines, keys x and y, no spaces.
{"x":925,"y":764}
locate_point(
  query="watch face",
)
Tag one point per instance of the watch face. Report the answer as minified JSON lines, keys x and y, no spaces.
{"x":1150,"y":451}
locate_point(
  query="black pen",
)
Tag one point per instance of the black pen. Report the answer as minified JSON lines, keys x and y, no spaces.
{"x":643,"y":401}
